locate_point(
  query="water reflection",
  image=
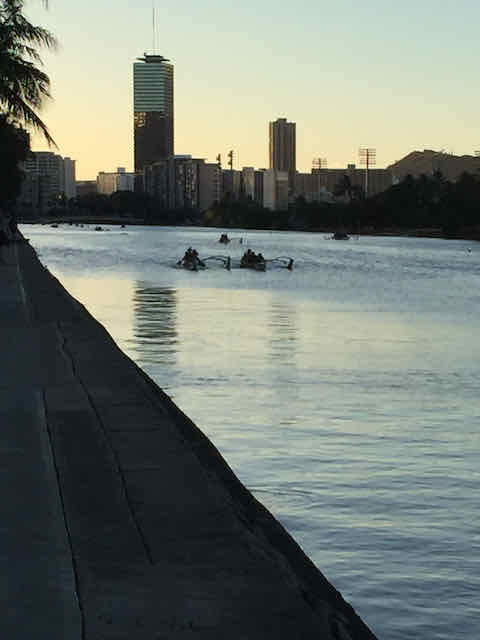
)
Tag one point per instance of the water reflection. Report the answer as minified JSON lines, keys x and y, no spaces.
{"x":283,"y":337}
{"x":155,"y":334}
{"x":350,"y":400}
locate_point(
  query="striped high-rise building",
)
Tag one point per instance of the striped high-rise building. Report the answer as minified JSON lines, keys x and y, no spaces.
{"x":152,"y":110}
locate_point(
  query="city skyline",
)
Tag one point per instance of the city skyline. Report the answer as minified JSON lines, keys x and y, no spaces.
{"x":396,"y":79}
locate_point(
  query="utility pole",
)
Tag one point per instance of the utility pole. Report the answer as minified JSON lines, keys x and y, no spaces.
{"x":230,"y":164}
{"x":368,"y":157}
{"x":218,"y":178}
{"x":319,"y":163}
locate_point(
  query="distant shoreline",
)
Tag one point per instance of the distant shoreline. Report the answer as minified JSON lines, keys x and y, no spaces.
{"x":431,"y":232}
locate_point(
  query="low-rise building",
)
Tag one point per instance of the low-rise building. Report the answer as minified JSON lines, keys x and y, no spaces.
{"x":258,"y":186}
{"x":275,"y":190}
{"x":119,"y":180}
{"x":328,"y":179}
{"x":248,"y":182}
{"x":85,"y":187}
{"x":231,"y":183}
{"x":49,"y":180}
{"x":70,"y":187}
{"x":183,"y":182}
{"x":307,"y":185}
{"x":210,"y":176}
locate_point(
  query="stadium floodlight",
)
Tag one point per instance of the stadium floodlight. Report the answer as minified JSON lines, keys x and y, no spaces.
{"x":368,"y":157}
{"x":319,"y":163}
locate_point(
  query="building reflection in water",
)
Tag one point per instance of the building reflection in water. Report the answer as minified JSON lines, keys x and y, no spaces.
{"x":155,"y":334}
{"x":285,"y":386}
{"x":283,"y":333}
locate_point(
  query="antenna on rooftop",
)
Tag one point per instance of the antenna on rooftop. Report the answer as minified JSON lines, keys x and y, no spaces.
{"x":154,"y":35}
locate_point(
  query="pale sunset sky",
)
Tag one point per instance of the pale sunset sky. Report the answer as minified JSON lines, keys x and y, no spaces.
{"x":395,"y":76}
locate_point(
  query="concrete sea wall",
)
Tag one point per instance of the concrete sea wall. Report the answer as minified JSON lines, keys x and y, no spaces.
{"x":121,"y":519}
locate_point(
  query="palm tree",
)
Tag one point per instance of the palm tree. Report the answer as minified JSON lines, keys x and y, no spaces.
{"x":14,"y":147}
{"x":23,"y":86}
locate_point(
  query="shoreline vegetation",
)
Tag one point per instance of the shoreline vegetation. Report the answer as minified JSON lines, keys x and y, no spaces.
{"x":424,"y":206}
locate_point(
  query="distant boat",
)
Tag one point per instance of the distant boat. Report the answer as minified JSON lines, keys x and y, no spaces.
{"x":224,"y":239}
{"x":340,"y":235}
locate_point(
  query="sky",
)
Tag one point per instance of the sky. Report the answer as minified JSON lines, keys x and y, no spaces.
{"x":393,"y":76}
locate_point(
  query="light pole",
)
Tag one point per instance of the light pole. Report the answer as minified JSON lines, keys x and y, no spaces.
{"x":368,"y":157}
{"x":218,"y":178}
{"x":319,"y":163}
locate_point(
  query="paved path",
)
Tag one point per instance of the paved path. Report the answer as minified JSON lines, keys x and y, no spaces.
{"x":119,"y":519}
{"x":37,"y":581}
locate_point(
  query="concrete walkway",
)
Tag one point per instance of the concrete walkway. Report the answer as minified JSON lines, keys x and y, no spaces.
{"x":119,"y":518}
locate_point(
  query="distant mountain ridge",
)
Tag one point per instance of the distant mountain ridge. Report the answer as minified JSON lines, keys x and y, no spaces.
{"x":429,"y":161}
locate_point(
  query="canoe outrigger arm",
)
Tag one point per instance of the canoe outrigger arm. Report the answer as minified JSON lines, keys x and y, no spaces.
{"x":282,"y":261}
{"x":285,"y":261}
{"x":225,"y":259}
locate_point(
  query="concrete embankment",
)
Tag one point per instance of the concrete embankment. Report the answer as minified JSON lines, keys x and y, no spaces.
{"x":120,"y":519}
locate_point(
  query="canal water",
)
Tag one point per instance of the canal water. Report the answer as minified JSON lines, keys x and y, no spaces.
{"x":344,"y":393}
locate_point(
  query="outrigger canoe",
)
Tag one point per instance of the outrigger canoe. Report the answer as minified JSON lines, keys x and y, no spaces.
{"x":261,"y":265}
{"x":191,"y":265}
{"x":197,"y":264}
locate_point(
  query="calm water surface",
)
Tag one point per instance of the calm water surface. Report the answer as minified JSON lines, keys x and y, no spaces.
{"x":344,"y":394}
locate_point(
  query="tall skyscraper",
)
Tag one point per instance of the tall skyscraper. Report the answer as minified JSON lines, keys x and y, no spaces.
{"x":282,"y":148}
{"x":152,"y":110}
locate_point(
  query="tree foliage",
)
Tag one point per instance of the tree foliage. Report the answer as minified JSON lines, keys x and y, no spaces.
{"x":425,"y":202}
{"x":23,"y":85}
{"x":14,"y":147}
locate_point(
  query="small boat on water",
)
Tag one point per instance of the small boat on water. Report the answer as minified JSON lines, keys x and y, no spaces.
{"x":252,"y":260}
{"x":224,"y":239}
{"x":191,"y":260}
{"x":191,"y":265}
{"x":340,"y":235}
{"x":261,"y":265}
